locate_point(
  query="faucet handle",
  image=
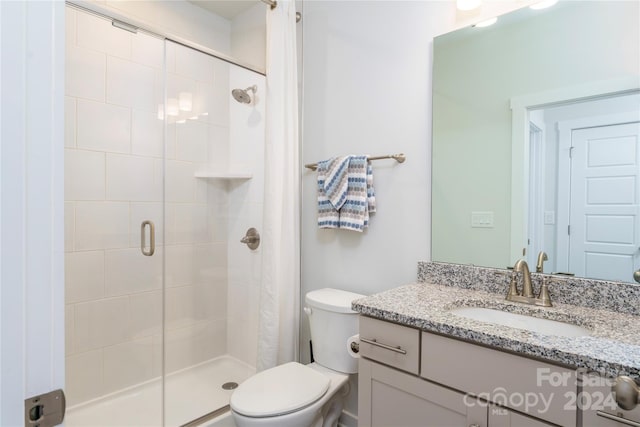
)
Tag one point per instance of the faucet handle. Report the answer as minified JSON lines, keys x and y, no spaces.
{"x":513,"y":287}
{"x":544,"y":297}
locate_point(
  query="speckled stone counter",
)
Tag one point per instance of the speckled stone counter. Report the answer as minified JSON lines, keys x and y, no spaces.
{"x":613,"y":348}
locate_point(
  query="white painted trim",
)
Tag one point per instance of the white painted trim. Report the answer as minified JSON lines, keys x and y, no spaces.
{"x":32,"y":203}
{"x":536,"y":201}
{"x":565,"y":130}
{"x":347,"y":419}
{"x":12,"y":194}
{"x":520,"y":106}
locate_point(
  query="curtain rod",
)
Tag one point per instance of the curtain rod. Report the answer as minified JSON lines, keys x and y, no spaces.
{"x":400,"y":158}
{"x":271,"y":3}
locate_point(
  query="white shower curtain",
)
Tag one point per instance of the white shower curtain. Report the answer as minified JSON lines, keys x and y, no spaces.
{"x":280,"y":294}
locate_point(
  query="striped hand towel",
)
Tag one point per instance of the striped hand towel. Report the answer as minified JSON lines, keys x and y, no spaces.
{"x":345,"y":193}
{"x":354,"y":214}
{"x":332,"y":190}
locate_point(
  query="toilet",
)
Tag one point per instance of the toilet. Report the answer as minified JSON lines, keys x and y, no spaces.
{"x":296,"y":395}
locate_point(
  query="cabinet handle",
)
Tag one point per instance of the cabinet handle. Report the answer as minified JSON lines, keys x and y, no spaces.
{"x":143,"y":238}
{"x":373,"y":341}
{"x":627,"y":392}
{"x":474,"y":425}
{"x":617,"y":419}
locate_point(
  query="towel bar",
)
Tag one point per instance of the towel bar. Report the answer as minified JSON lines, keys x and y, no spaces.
{"x":400,"y":158}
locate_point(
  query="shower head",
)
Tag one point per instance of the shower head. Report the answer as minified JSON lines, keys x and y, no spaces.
{"x":242,"y":95}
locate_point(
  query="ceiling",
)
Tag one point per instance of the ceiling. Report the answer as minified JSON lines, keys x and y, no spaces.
{"x":226,"y":8}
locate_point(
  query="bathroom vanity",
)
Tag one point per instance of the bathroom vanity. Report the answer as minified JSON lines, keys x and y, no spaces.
{"x":423,"y":363}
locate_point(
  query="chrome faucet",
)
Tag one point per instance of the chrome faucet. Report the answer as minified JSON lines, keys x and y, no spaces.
{"x":527,"y":296}
{"x":542,"y":257}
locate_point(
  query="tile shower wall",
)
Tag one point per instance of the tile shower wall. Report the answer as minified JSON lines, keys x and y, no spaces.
{"x":114,"y":180}
{"x":246,"y":153}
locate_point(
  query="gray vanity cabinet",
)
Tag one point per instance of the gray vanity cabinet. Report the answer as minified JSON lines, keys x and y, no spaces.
{"x":503,"y":417}
{"x":411,"y":378}
{"x":388,"y":397}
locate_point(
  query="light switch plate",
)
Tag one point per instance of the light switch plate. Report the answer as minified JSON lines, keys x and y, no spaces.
{"x":549,"y":217}
{"x":482,"y":219}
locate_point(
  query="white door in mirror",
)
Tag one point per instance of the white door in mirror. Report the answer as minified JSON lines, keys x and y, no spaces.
{"x":604,"y":238}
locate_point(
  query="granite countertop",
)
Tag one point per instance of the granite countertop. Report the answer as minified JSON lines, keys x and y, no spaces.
{"x":613,"y":348}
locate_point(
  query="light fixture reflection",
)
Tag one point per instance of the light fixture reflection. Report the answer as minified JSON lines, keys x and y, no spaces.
{"x":468,"y":4}
{"x":543,"y":4}
{"x":185,"y":101}
{"x":172,"y":107}
{"x":487,"y":22}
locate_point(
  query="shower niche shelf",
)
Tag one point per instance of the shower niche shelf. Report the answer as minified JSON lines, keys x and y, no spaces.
{"x":224,"y":175}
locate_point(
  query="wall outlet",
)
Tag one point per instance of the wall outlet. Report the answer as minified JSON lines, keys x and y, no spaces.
{"x":482,"y":219}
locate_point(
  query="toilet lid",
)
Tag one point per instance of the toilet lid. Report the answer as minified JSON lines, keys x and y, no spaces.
{"x":280,"y":390}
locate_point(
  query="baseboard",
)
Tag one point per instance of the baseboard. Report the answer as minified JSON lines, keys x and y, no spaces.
{"x":347,"y":419}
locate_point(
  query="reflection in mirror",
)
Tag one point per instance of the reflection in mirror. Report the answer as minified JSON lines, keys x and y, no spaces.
{"x":583,"y":175}
{"x":509,"y":103}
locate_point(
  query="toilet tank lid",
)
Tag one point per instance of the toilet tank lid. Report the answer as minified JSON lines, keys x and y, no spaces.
{"x":335,"y":300}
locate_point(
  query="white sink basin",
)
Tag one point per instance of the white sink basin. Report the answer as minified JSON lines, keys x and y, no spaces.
{"x":519,"y":321}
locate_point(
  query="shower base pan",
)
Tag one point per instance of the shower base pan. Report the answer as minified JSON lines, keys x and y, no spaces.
{"x":190,"y":394}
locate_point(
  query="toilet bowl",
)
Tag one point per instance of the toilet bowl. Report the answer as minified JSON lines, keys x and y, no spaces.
{"x":296,"y":395}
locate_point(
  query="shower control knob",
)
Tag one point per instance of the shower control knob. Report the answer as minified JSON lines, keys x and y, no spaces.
{"x":626,"y":392}
{"x":251,"y":239}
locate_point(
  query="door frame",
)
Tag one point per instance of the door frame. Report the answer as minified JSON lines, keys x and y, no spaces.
{"x":565,"y":130}
{"x":535,"y":236}
{"x":31,"y":203}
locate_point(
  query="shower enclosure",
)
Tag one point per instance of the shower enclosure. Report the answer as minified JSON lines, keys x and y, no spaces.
{"x":163,"y":177}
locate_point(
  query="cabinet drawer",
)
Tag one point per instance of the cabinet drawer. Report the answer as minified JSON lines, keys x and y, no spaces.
{"x":535,"y":388}
{"x":391,"y":344}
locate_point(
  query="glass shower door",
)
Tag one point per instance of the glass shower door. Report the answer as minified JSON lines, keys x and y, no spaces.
{"x":114,"y":150}
{"x":214,"y":164}
{"x":163,"y":177}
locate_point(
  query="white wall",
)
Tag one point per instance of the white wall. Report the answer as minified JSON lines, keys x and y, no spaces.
{"x":367,"y":89}
{"x":249,"y":35}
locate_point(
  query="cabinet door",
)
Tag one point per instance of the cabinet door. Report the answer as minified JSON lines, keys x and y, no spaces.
{"x":502,"y":417}
{"x":391,"y":398}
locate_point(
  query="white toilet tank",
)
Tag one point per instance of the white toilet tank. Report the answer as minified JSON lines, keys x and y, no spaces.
{"x":332,"y":322}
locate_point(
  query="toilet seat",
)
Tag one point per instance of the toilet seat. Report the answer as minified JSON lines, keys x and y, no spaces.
{"x":278,"y":391}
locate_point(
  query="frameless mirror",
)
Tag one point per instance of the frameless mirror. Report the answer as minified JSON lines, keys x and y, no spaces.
{"x":536,"y":141}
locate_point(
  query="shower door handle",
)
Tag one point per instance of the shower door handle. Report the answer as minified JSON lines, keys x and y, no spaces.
{"x":143,"y":238}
